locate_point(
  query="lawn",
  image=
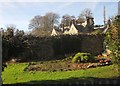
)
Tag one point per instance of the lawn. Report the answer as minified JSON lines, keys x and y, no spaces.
{"x":14,"y":73}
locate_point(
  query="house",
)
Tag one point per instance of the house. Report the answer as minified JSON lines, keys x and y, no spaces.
{"x":74,"y":28}
{"x":90,"y":25}
{"x":84,"y":24}
{"x":54,"y":33}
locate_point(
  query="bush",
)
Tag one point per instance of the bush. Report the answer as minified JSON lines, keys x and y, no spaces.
{"x":85,"y":58}
{"x":81,"y":57}
{"x":116,"y":57}
{"x":76,"y":58}
{"x":112,"y":40}
{"x":97,"y":32}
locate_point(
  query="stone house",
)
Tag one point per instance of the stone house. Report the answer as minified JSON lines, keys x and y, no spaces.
{"x":72,"y":30}
{"x":85,"y":27}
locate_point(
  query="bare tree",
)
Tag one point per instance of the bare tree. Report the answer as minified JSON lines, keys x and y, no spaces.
{"x":36,"y":22}
{"x":47,"y":21}
{"x":52,"y":18}
{"x":73,"y":17}
{"x":81,"y":18}
{"x":44,"y":24}
{"x":66,"y":19}
{"x":86,"y":12}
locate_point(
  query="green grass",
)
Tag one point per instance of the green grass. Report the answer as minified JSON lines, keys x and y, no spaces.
{"x":14,"y":73}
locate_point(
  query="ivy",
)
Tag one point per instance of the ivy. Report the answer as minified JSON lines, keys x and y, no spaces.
{"x":112,"y":40}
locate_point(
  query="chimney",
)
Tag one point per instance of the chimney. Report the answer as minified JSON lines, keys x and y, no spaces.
{"x":88,"y":21}
{"x":73,"y":22}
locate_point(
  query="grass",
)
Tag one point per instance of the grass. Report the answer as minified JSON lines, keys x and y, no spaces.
{"x":14,"y":73}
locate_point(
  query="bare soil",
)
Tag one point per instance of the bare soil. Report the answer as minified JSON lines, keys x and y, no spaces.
{"x":61,"y":66}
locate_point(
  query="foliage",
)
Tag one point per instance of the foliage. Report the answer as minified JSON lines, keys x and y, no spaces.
{"x":112,"y":39}
{"x":98,"y":25}
{"x":11,"y":41}
{"x":81,"y":57}
{"x":14,"y":73}
{"x":28,"y":47}
{"x":66,"y":44}
{"x":97,"y":31}
{"x":19,"y":33}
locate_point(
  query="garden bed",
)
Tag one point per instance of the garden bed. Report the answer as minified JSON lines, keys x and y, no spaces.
{"x":61,"y":66}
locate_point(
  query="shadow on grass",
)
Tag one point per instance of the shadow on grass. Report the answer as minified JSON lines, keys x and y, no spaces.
{"x":91,"y":81}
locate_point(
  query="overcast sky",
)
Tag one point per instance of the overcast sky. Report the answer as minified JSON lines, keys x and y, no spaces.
{"x":19,"y":13}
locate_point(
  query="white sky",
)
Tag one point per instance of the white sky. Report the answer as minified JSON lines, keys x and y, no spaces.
{"x":19,"y":12}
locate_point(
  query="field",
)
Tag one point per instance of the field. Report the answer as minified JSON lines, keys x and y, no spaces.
{"x":15,"y":74}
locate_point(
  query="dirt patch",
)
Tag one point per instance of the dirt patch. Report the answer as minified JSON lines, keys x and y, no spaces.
{"x":61,"y":66}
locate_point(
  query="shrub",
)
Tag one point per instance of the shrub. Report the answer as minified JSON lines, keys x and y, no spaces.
{"x":112,"y":40}
{"x":81,"y":57}
{"x":85,"y":58}
{"x":97,"y":32}
{"x":76,"y":58}
{"x":116,"y":57}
